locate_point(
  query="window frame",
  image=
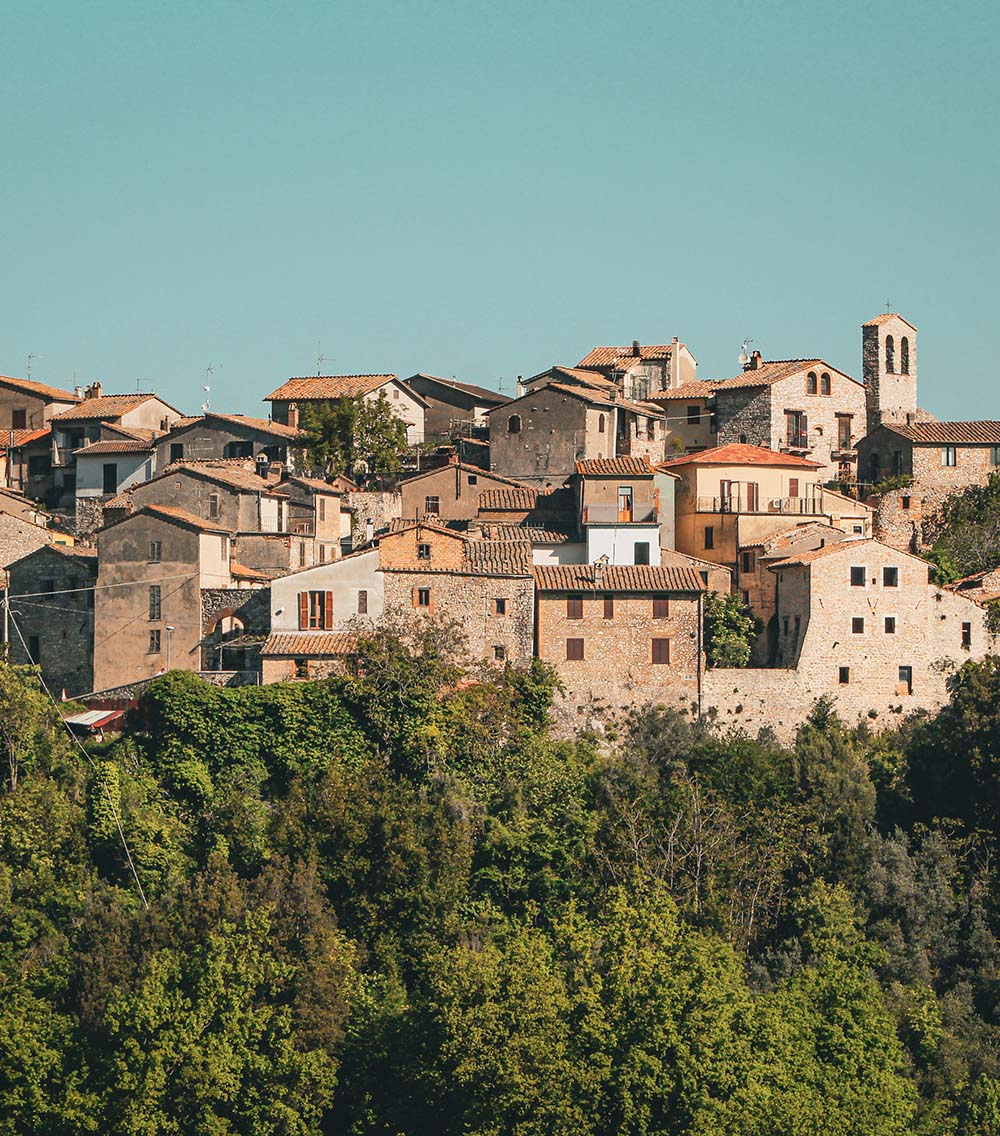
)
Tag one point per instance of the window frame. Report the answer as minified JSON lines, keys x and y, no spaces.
{"x":573,"y":646}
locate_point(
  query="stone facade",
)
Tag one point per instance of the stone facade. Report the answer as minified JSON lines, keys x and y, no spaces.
{"x":450,"y":492}
{"x":219,"y":436}
{"x":889,"y":367}
{"x":371,"y":513}
{"x":58,"y":632}
{"x":27,"y":405}
{"x":18,"y":537}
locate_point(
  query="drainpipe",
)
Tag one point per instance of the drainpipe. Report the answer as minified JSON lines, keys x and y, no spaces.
{"x":701,"y":653}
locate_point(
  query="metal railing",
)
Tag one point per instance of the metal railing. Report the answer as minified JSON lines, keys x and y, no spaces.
{"x":611,"y":514}
{"x":792,"y":506}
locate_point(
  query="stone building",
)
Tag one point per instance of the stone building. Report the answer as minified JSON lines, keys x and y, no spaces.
{"x":621,"y":636}
{"x":168,"y":595}
{"x":735,"y":496}
{"x":450,"y":492}
{"x":453,"y":409}
{"x":19,"y":535}
{"x":215,"y":436}
{"x":938,"y":458}
{"x":690,"y":416}
{"x":643,"y":370}
{"x":620,"y":514}
{"x":315,"y":508}
{"x":27,"y":405}
{"x":889,"y":367}
{"x":326,"y":390}
{"x":52,"y":616}
{"x":26,"y":462}
{"x":982,"y":588}
{"x":117,"y":461}
{"x":539,"y":438}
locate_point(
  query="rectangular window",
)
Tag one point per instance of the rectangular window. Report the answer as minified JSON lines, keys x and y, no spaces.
{"x":110,"y":472}
{"x":994,"y":455}
{"x":574,"y":607}
{"x":19,"y":419}
{"x":753,"y":497}
{"x":39,"y":465}
{"x":322,"y":554}
{"x":48,"y":585}
{"x":321,"y":505}
{"x":213,"y":505}
{"x":858,"y":625}
{"x":811,"y":383}
{"x":949,"y":455}
{"x":499,"y":652}
{"x":793,"y":487}
{"x":967,"y":635}
{"x":661,"y":607}
{"x":423,"y":552}
{"x":176,"y":451}
{"x":315,"y":611}
{"x":423,"y":597}
{"x":890,"y":577}
{"x":609,"y":606}
{"x":500,"y":606}
{"x":904,"y":502}
{"x":432,"y":506}
{"x":155,"y":552}
{"x":694,"y":415}
{"x":890,"y":625}
{"x":155,"y":602}
{"x":843,"y":675}
{"x":661,"y":651}
{"x":302,"y":554}
{"x":641,"y":552}
{"x":745,"y":596}
{"x":905,"y":680}
{"x":709,"y":536}
{"x":857,"y":576}
{"x":796,"y":430}
{"x":363,"y":601}
{"x":473,"y":479}
{"x":844,"y":432}
{"x":154,"y":642}
{"x":35,"y":650}
{"x":747,"y":561}
{"x":798,"y":627}
{"x":824,"y":384}
{"x":574,"y":650}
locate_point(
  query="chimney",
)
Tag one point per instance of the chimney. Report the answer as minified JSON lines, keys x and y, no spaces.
{"x":293,"y":415}
{"x":78,"y":391}
{"x":599,"y":565}
{"x":635,"y":348}
{"x":674,"y":380}
{"x":755,"y":360}
{"x":369,"y":531}
{"x":519,"y":389}
{"x":97,"y":390}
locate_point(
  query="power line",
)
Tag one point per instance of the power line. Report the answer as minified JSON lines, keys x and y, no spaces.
{"x":76,"y":741}
{"x":104,"y":587}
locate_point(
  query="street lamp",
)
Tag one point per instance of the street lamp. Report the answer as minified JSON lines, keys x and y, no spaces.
{"x":170,"y":632}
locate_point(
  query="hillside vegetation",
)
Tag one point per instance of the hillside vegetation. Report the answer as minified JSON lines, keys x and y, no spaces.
{"x":374,"y":907}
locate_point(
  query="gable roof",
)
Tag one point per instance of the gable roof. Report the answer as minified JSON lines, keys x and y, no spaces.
{"x":508,"y":500}
{"x":739,"y":454}
{"x":802,"y":559}
{"x":264,"y":425}
{"x":323,"y":387}
{"x":178,"y":516}
{"x":578,"y":375}
{"x":231,"y":472}
{"x":885,"y":318}
{"x":304,"y":644}
{"x":313,"y":483}
{"x":773,"y":371}
{"x":106,"y":406}
{"x":475,"y":470}
{"x":42,"y":390}
{"x":617,"y":578}
{"x":970,"y":433}
{"x":614,"y":357}
{"x":466,"y":388}
{"x":23,"y":437}
{"x":697,"y":388}
{"x":615,"y":467}
{"x":120,"y":446}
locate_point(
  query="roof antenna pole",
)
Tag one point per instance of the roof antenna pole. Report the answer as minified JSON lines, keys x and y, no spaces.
{"x":209,"y":372}
{"x":320,"y":360}
{"x":33,"y":355}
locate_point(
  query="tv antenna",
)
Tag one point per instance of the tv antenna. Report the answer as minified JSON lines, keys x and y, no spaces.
{"x":744,"y":357}
{"x":207,"y":388}
{"x":33,"y":355}
{"x":320,"y":360}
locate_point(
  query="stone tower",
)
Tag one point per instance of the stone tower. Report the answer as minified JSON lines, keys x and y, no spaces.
{"x":889,"y":368}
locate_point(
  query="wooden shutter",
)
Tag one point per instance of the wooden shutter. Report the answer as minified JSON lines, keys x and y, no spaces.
{"x":661,"y":650}
{"x":327,"y":611}
{"x":609,"y":607}
{"x":793,"y":487}
{"x":303,"y":610}
{"x":574,"y":650}
{"x":574,"y":607}
{"x":661,"y":607}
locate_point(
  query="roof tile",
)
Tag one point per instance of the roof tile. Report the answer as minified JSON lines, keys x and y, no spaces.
{"x":310,"y":643}
{"x":740,"y":454}
{"x":617,"y":578}
{"x":328,"y":386}
{"x":970,"y":433}
{"x":615,"y":467}
{"x":613,"y":357}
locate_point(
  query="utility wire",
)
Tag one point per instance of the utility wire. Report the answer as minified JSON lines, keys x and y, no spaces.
{"x":104,"y":587}
{"x":80,"y":746}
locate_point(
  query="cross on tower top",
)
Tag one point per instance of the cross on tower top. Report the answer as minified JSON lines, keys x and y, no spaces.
{"x":888,"y":307}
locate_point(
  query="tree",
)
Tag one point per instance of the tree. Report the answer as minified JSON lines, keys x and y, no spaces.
{"x":730,"y":630}
{"x":340,"y":435}
{"x":967,"y":530}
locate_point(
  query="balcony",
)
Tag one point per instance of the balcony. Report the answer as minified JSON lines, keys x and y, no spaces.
{"x":612,"y":515}
{"x":790,"y":506}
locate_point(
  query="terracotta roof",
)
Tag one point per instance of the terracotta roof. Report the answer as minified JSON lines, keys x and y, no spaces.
{"x":501,"y":531}
{"x":186,"y":420}
{"x":313,"y":483}
{"x":504,"y":557}
{"x":182,"y":516}
{"x":521,"y":499}
{"x":739,"y":454}
{"x":778,"y":544}
{"x":885,"y":318}
{"x":467,"y":388}
{"x":615,"y":356}
{"x":264,"y":425}
{"x":107,"y":406}
{"x":122,"y":447}
{"x":617,"y":578}
{"x":774,"y":371}
{"x":578,"y":374}
{"x":119,"y":501}
{"x":696,"y":389}
{"x":29,"y":386}
{"x":23,"y":437}
{"x":310,"y":643}
{"x":970,"y":433}
{"x":242,"y":572}
{"x":231,"y":473}
{"x":477,"y":470}
{"x":615,"y":467}
{"x":328,"y":386}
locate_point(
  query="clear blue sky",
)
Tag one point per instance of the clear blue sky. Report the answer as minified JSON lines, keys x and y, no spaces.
{"x":482,"y":190}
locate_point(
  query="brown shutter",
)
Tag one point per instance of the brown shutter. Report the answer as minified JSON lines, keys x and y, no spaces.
{"x":328,"y":611}
{"x":303,"y":610}
{"x":415,"y":597}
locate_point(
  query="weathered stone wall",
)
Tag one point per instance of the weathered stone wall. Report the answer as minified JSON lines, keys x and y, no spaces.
{"x":469,"y":600}
{"x":17,"y":539}
{"x":89,"y":515}
{"x":553,"y":435}
{"x":379,"y":508}
{"x":251,"y":604}
{"x":743,"y":414}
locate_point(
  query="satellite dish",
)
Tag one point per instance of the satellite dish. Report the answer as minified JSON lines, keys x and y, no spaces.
{"x":744,"y":358}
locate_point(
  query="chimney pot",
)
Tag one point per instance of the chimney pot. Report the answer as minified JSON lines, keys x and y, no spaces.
{"x":293,"y":415}
{"x":78,"y":391}
{"x":97,"y":390}
{"x":635,"y":348}
{"x":755,"y":360}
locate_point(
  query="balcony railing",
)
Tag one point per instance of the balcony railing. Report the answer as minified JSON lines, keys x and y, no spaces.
{"x":612,"y":515}
{"x":793,"y":506}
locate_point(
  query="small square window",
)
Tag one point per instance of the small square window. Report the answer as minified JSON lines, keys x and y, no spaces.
{"x":857,"y":576}
{"x":890,"y":625}
{"x":858,"y":625}
{"x":432,"y":506}
{"x":499,"y":652}
{"x":574,"y":607}
{"x":423,"y":597}
{"x":574,"y":650}
{"x":661,"y":607}
{"x":500,"y":606}
{"x":890,"y":577}
{"x":949,"y":455}
{"x":844,"y":675}
{"x":48,"y":585}
{"x":473,"y":478}
{"x":154,"y":642}
{"x":423,"y":552}
{"x":661,"y":651}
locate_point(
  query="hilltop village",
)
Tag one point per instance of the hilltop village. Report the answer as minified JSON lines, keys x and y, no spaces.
{"x":583,"y":522}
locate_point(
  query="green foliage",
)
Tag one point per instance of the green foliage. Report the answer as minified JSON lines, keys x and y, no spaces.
{"x":730,"y":630}
{"x":339,"y":436}
{"x":968,"y":529}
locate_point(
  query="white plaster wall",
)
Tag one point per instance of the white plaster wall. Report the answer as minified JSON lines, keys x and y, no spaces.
{"x":344,"y":578}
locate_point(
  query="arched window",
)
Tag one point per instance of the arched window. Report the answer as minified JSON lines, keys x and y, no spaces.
{"x":824,"y":383}
{"x":600,"y":424}
{"x":811,"y":383}
{"x":890,"y":356}
{"x":514,"y":424}
{"x":904,"y":356}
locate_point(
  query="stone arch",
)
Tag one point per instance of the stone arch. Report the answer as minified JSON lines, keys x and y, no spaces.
{"x":890,"y":355}
{"x":514,"y":424}
{"x":904,"y":356}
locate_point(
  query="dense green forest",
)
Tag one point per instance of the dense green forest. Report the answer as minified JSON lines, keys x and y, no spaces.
{"x":396,"y":902}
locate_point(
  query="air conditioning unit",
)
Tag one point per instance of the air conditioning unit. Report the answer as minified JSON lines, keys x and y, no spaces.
{"x":775,"y":504}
